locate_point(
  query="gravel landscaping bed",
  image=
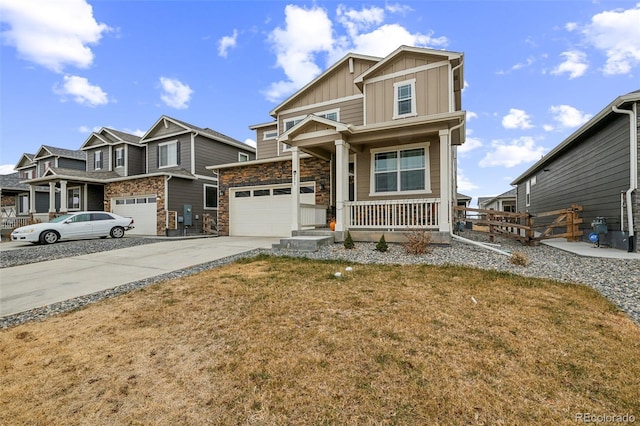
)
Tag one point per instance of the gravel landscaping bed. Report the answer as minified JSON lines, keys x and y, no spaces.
{"x":617,"y":280}
{"x":40,"y":253}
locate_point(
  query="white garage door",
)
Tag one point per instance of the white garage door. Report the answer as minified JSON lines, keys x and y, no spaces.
{"x":143,"y":210}
{"x":264,"y":211}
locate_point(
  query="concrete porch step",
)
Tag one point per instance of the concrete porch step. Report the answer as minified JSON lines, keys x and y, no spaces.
{"x":304,"y":242}
{"x":324,"y":232}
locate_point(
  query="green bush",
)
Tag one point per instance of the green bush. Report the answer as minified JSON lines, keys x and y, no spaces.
{"x":382,"y":245}
{"x":348,"y":242}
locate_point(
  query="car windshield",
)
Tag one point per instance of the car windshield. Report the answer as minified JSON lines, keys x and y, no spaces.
{"x":61,"y":218}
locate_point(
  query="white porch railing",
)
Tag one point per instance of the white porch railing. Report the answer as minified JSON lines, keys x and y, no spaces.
{"x":14,"y":222}
{"x":313,"y":215}
{"x":394,"y":214}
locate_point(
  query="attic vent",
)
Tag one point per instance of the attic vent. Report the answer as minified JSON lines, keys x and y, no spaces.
{"x":350,"y":65}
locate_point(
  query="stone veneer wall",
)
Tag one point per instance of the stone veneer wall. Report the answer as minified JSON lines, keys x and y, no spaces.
{"x":141,"y":186}
{"x":311,"y":170}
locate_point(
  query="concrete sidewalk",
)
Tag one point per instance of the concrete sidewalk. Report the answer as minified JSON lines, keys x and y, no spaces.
{"x":589,"y":250}
{"x":39,"y":284}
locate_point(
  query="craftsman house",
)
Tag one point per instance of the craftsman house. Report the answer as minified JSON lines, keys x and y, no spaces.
{"x":369,"y":144}
{"x":159,"y":179}
{"x":595,"y":167}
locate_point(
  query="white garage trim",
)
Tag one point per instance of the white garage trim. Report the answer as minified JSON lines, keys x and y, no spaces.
{"x":265,"y":211}
{"x":142,"y":208}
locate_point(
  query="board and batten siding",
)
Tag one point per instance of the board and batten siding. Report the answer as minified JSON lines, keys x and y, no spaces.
{"x":266,"y":148}
{"x":592,"y":173}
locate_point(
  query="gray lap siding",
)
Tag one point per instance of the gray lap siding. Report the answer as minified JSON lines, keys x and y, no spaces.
{"x":188,"y":192}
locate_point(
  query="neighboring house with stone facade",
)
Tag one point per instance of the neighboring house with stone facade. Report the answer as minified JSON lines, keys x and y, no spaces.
{"x":595,"y":167}
{"x":370,"y":143}
{"x":159,"y":179}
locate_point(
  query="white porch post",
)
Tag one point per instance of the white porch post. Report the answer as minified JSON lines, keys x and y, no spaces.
{"x":295,"y":188}
{"x":445,"y":181}
{"x":52,"y":197}
{"x":342,"y":183}
{"x":32,"y":199}
{"x":63,"y":196}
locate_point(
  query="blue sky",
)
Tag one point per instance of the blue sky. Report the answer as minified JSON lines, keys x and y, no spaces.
{"x":534,"y":70}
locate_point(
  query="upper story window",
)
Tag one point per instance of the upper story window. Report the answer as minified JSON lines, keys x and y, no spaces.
{"x":404,"y":99}
{"x":243,"y":156}
{"x":169,"y":154}
{"x":97,"y":160}
{"x":27,"y":174}
{"x":119,"y":157}
{"x":271,"y":134}
{"x":400,"y":170}
{"x":46,"y":165}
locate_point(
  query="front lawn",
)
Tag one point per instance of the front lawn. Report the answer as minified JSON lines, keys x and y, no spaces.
{"x":284,"y":341}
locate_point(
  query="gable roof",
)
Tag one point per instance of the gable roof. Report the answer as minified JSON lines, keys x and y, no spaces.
{"x":309,"y":120}
{"x":26,"y":160}
{"x":203,"y":131}
{"x":52,"y":151}
{"x":118,"y":136}
{"x":328,"y":71}
{"x":575,"y":137}
{"x":54,"y":173}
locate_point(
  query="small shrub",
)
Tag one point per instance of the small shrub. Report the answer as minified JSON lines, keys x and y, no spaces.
{"x":418,"y":242}
{"x":382,"y":245}
{"x":519,"y":258}
{"x":348,"y":242}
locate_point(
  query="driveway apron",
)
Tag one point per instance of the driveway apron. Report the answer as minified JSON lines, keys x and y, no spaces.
{"x":35,"y":285}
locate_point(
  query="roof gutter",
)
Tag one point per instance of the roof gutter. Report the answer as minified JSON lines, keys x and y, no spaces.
{"x":633,"y":178}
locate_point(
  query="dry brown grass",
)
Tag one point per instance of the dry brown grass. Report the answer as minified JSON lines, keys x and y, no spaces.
{"x":283,"y":341}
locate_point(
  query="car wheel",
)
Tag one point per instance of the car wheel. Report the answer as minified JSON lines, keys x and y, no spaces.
{"x":117,"y":232}
{"x":49,"y":237}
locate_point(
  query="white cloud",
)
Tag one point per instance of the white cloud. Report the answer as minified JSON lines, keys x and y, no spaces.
{"x":175,"y":93}
{"x":471,"y":115}
{"x":82,"y":91}
{"x":469,"y":144}
{"x":464,"y":183}
{"x":226,"y":43}
{"x":510,"y":154}
{"x":6,"y":169}
{"x":87,"y":129}
{"x":250,"y":142}
{"x":569,"y":116}
{"x":548,"y":127}
{"x":617,"y":34}
{"x":516,"y":119}
{"x":136,"y":132}
{"x":570,"y":26}
{"x":575,"y":64}
{"x":308,"y":41}
{"x":53,"y":34}
{"x":530,"y":61}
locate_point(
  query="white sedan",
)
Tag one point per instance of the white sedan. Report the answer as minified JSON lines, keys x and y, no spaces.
{"x":74,"y":226}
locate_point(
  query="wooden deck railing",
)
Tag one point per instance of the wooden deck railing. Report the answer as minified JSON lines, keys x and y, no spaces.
{"x":394,"y":214}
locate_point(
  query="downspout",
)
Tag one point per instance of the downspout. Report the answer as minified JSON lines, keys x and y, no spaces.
{"x":633,"y":166}
{"x":166,"y":205}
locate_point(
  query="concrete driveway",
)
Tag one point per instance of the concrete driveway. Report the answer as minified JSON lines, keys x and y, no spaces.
{"x":39,"y":284}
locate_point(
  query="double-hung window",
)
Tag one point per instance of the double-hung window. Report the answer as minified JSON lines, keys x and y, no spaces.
{"x":169,"y":154}
{"x":210,"y":197}
{"x":119,"y":157}
{"x":404,"y":99}
{"x":402,"y":170}
{"x":97,"y":160}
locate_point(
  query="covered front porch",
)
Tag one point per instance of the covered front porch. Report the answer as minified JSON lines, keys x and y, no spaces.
{"x":363,"y":203}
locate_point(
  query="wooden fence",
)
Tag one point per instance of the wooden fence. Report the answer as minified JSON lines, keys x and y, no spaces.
{"x":524,"y":227}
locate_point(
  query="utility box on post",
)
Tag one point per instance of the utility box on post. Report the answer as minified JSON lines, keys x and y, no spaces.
{"x":187,"y":215}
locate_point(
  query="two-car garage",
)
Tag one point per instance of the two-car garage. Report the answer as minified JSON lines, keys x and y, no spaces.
{"x":265,"y":211}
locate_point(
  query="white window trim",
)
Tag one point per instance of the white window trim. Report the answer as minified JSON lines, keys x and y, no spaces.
{"x":242,"y":155}
{"x":97,"y":160}
{"x":122,"y":151}
{"x":327,"y":112}
{"x":269,"y":134}
{"x":70,"y":199}
{"x":204,"y":197}
{"x":160,"y":145}
{"x":413,"y":113}
{"x":28,"y":174}
{"x":19,"y":206}
{"x":285,"y":146}
{"x":527,"y":196}
{"x":398,"y":148}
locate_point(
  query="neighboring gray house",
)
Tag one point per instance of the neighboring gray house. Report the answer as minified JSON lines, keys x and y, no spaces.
{"x":596,"y":167}
{"x":159,"y":179}
{"x":505,"y":202}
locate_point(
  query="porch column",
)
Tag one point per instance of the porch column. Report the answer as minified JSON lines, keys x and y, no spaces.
{"x":32,"y":199}
{"x":52,"y":197}
{"x":63,"y":196}
{"x":295,"y":188}
{"x":445,"y":181}
{"x":342,"y":183}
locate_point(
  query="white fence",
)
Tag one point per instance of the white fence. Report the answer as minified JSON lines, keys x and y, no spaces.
{"x":394,"y":214}
{"x":313,"y":215}
{"x":14,"y":222}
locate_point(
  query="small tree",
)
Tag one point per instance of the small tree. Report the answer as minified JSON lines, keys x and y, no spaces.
{"x":382,"y":245}
{"x":348,"y":242}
